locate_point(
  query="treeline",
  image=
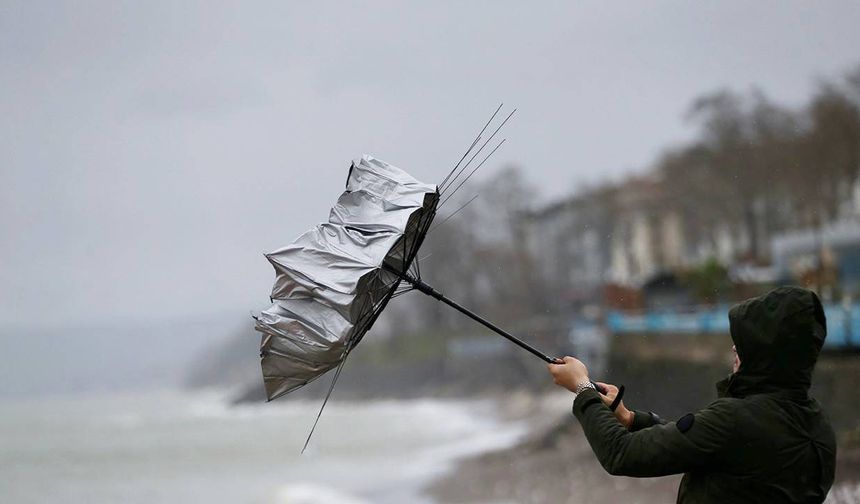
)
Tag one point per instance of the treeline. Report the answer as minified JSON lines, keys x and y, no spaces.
{"x":755,"y":167}
{"x":765,"y":168}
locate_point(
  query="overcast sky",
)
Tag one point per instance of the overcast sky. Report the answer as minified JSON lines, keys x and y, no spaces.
{"x":152,"y":151}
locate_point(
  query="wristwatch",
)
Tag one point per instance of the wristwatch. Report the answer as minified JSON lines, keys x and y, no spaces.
{"x":584,"y":385}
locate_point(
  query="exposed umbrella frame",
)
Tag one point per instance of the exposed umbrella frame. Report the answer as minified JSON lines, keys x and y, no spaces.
{"x":396,"y":267}
{"x":422,"y":287}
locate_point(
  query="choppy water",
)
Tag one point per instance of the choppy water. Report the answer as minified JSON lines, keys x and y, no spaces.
{"x":172,"y":447}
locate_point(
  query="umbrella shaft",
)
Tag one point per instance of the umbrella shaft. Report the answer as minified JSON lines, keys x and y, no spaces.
{"x":430,"y":291}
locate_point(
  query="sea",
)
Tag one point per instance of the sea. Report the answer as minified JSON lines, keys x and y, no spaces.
{"x":173,"y":446}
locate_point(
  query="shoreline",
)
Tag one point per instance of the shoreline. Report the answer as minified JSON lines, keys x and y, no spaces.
{"x":197,"y":446}
{"x":553,"y":462}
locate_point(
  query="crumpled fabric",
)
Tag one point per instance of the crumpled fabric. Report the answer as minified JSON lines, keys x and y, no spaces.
{"x":329,"y":285}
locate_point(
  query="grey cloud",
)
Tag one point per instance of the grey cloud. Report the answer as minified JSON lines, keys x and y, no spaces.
{"x":152,"y":151}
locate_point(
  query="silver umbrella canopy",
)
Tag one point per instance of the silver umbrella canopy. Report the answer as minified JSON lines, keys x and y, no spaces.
{"x":334,"y":280}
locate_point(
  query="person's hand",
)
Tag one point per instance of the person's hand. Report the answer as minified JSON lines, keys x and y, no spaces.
{"x":624,"y":415}
{"x":568,"y":374}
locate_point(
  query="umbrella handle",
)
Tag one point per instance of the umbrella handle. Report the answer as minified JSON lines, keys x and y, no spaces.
{"x":600,"y":388}
{"x":430,"y":291}
{"x":617,"y":400}
{"x":419,"y":285}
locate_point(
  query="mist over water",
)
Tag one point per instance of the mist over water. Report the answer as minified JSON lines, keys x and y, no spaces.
{"x":171,"y":446}
{"x":117,"y":356}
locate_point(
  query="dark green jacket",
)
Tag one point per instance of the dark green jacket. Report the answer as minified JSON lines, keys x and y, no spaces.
{"x":764,"y":440}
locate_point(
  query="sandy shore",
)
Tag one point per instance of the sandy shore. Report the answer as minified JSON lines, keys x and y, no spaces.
{"x":555,"y":464}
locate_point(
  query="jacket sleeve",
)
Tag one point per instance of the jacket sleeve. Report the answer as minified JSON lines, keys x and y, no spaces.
{"x":659,"y":450}
{"x":645,"y":419}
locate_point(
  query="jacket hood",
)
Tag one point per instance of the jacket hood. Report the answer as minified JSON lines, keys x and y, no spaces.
{"x":778,"y":337}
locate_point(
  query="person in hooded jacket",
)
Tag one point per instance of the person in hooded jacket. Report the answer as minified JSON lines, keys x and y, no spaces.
{"x":764,"y":440}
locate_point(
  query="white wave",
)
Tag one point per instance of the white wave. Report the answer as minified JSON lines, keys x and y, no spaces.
{"x":308,"y":493}
{"x":184,"y":443}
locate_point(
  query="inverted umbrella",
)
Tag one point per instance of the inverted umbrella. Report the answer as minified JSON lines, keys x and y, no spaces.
{"x":333,"y":282}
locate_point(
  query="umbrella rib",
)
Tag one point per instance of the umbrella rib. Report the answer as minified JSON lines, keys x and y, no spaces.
{"x":473,"y":172}
{"x":474,"y":142}
{"x":361,"y":325}
{"x":383,"y":287}
{"x":437,"y":226}
{"x":487,"y":141}
{"x":325,"y":401}
{"x":449,"y":182}
{"x":407,"y":254}
{"x":376,"y":309}
{"x":416,"y":268}
{"x":418,"y":241}
{"x":398,"y":294}
{"x":468,"y":151}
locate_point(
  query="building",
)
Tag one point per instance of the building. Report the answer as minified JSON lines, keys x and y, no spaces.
{"x":569,"y":243}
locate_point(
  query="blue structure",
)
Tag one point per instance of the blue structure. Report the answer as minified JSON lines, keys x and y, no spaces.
{"x":843,"y":326}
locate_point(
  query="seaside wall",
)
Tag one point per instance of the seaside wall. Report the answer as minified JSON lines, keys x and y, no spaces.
{"x":672,"y":374}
